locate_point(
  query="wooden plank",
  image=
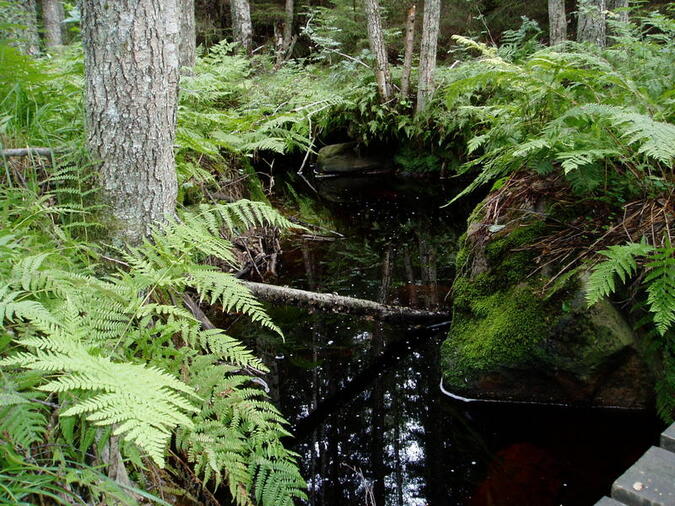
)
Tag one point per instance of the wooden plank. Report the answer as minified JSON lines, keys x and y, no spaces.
{"x":608,"y":501}
{"x":668,"y":438}
{"x":648,"y":482}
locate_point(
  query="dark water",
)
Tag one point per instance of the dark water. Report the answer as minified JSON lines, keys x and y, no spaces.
{"x":370,"y":422}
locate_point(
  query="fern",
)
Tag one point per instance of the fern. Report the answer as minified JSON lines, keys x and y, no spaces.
{"x":660,"y":281}
{"x":659,"y":278}
{"x":621,"y":262}
{"x":23,"y":418}
{"x":105,"y":350}
{"x":236,"y":438}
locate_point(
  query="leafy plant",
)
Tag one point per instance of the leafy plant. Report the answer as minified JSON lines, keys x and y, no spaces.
{"x":654,"y":268}
{"x":658,"y":278}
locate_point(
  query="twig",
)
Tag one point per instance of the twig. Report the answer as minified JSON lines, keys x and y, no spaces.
{"x":22,"y":152}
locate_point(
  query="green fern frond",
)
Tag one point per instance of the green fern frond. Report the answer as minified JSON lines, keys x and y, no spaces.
{"x":23,"y":420}
{"x":660,"y":282}
{"x":621,"y":262}
{"x":222,"y":287}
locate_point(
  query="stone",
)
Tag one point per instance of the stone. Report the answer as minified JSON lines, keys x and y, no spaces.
{"x":351,"y":159}
{"x":608,"y":501}
{"x":515,"y":338}
{"x":648,"y":482}
{"x":668,"y":438}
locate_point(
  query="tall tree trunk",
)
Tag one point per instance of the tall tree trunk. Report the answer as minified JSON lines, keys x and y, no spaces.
{"x":557,"y":22}
{"x":409,"y":46}
{"x":591,"y":22}
{"x":188,"y":35}
{"x":52,"y":17}
{"x":430,"y":24}
{"x":241,"y":23}
{"x":621,"y":6}
{"x":376,"y":38}
{"x":131,"y":72}
{"x":22,"y":33}
{"x":288,"y":25}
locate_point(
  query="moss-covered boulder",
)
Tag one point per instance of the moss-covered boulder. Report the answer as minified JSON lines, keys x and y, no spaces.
{"x":516,"y":336}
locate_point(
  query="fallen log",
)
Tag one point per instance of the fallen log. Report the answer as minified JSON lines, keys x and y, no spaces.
{"x":344,"y":305}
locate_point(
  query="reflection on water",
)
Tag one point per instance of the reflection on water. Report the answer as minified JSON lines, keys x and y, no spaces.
{"x":372,"y":426}
{"x":370,"y":422}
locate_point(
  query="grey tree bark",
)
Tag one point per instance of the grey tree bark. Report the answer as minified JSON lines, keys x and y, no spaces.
{"x":22,"y":33}
{"x":376,"y":39}
{"x":621,"y":6}
{"x":428,"y":49}
{"x":557,"y":22}
{"x":591,"y":22}
{"x":131,"y":73}
{"x":241,"y":23}
{"x":409,"y":47}
{"x":52,"y":17}
{"x":188,"y":35}
{"x":288,"y":25}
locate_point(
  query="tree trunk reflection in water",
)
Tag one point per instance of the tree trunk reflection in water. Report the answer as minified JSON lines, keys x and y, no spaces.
{"x":428,"y":270}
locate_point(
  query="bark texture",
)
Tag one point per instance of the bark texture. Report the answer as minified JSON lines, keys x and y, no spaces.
{"x":344,"y":305}
{"x":131,"y":71}
{"x":188,"y":35}
{"x":241,"y":23}
{"x":557,"y":22}
{"x":591,"y":22}
{"x":376,"y":39}
{"x":409,"y":47}
{"x":621,"y":6}
{"x":52,"y":17}
{"x":428,"y":49}
{"x":288,"y":26}
{"x":22,"y":32}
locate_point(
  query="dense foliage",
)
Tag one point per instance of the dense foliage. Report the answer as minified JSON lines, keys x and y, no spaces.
{"x":97,"y":349}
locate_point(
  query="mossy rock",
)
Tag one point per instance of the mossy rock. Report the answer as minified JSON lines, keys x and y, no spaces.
{"x":351,"y":159}
{"x":511,"y":340}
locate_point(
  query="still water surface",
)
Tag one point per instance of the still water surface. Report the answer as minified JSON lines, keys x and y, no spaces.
{"x":371,"y":424}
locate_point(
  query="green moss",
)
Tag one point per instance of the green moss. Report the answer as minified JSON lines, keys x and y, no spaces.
{"x":462,"y":255}
{"x":492,"y":329}
{"x":508,"y":264}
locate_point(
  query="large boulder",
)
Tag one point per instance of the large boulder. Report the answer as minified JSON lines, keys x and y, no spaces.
{"x":350,"y":158}
{"x":517,"y":337}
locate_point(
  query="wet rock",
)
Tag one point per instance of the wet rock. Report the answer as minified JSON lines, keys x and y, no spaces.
{"x":350,"y":158}
{"x":517,"y":337}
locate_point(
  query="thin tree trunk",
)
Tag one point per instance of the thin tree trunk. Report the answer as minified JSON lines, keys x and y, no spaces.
{"x":430,"y":25}
{"x":376,"y":38}
{"x":621,"y":6}
{"x":409,"y":47}
{"x":52,"y":17}
{"x":241,"y":23}
{"x":557,"y":21}
{"x":188,"y":35}
{"x":131,"y":73}
{"x":591,"y":22}
{"x":288,"y":26}
{"x":20,"y":16}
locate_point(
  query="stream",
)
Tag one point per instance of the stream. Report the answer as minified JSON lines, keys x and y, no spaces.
{"x":371,"y":424}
